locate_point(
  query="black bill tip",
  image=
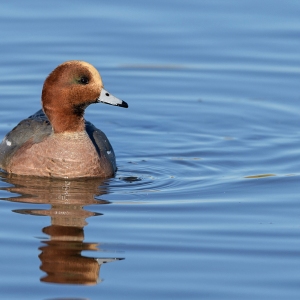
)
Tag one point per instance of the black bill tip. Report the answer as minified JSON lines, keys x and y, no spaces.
{"x":123,"y":104}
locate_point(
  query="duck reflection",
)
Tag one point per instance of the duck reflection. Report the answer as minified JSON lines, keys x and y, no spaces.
{"x":61,"y":255}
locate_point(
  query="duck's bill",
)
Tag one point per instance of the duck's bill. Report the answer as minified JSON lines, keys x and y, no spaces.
{"x":108,"y":98}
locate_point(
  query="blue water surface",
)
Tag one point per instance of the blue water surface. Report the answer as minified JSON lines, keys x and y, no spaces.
{"x":205,"y":203}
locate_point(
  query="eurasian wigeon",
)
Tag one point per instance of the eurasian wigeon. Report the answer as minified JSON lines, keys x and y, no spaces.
{"x":57,"y":141}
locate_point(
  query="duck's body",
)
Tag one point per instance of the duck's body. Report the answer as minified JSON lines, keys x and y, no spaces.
{"x":32,"y":148}
{"x":61,"y":143}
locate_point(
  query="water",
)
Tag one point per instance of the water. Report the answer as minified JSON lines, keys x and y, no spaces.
{"x":205,"y":201}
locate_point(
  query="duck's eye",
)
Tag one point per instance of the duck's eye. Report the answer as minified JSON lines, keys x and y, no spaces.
{"x":84,"y":80}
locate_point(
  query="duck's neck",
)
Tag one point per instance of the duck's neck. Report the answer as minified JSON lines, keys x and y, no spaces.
{"x":65,"y":121}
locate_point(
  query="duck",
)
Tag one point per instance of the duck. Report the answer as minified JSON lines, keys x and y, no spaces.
{"x":57,"y":141}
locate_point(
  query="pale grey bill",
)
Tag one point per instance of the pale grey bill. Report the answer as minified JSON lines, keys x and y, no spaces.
{"x":108,"y":98}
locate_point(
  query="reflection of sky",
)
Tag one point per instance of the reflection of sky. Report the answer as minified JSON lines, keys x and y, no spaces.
{"x":161,"y":32}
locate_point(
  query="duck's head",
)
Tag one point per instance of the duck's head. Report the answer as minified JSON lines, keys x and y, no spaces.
{"x":68,"y":90}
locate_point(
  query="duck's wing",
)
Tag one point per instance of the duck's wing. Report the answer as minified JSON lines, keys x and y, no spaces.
{"x":101,"y":143}
{"x":36,"y":127}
